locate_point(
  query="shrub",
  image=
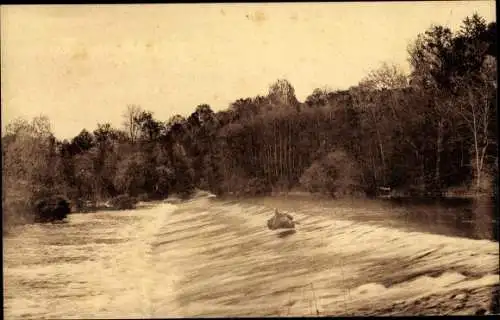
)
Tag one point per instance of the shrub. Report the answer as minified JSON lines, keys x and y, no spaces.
{"x":335,"y":174}
{"x":52,"y":208}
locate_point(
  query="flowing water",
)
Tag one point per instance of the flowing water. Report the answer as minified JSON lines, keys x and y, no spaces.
{"x":212,"y":257}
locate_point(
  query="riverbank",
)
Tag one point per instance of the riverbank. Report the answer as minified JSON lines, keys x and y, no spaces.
{"x":451,"y":193}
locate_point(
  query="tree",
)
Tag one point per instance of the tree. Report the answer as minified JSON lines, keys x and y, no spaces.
{"x":432,"y":60}
{"x":335,"y":174}
{"x":476,"y":106}
{"x":130,"y":124}
{"x":82,"y":142}
{"x":130,"y":176}
{"x":86,"y":173}
{"x":28,"y":157}
{"x":373,"y":121}
{"x":149,"y":128}
{"x":30,"y":169}
{"x":184,"y":173}
{"x":320,"y":97}
{"x":450,"y":69}
{"x":105,"y":134}
{"x":434,"y":128}
{"x":387,"y":76}
{"x":282,"y":93}
{"x":245,"y":108}
{"x":177,"y":128}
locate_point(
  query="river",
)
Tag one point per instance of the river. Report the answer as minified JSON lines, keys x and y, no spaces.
{"x":216,"y":257}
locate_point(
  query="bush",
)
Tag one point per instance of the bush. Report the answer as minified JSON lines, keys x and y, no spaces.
{"x":335,"y":174}
{"x":52,"y":208}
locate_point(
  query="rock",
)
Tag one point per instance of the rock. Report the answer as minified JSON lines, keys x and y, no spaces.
{"x":280,"y":221}
{"x":460,"y":296}
{"x":480,"y":312}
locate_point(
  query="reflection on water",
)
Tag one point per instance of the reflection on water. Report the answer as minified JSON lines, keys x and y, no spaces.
{"x":284,"y":234}
{"x":472,"y":218}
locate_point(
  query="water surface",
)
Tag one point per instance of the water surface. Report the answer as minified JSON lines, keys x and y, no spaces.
{"x":210,"y":257}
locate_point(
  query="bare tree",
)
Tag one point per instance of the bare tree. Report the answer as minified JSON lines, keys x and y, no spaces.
{"x":387,"y":76}
{"x":477,"y":110}
{"x":129,"y":121}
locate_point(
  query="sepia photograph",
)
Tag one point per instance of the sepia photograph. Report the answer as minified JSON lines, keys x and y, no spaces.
{"x":271,"y":159}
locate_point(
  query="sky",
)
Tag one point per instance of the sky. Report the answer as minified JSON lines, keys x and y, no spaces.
{"x":83,"y":64}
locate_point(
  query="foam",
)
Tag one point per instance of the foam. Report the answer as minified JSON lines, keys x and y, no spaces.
{"x":164,"y":266}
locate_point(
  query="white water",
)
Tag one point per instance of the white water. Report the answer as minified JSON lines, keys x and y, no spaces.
{"x":210,"y":258}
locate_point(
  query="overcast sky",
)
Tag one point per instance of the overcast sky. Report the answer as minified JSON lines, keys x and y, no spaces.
{"x":81,"y":65}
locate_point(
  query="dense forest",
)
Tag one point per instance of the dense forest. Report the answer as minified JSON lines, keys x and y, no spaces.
{"x":422,"y":133}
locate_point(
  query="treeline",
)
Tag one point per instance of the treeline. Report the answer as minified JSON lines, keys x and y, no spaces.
{"x":424,"y":133}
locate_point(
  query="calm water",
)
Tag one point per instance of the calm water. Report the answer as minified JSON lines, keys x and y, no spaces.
{"x":210,"y":257}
